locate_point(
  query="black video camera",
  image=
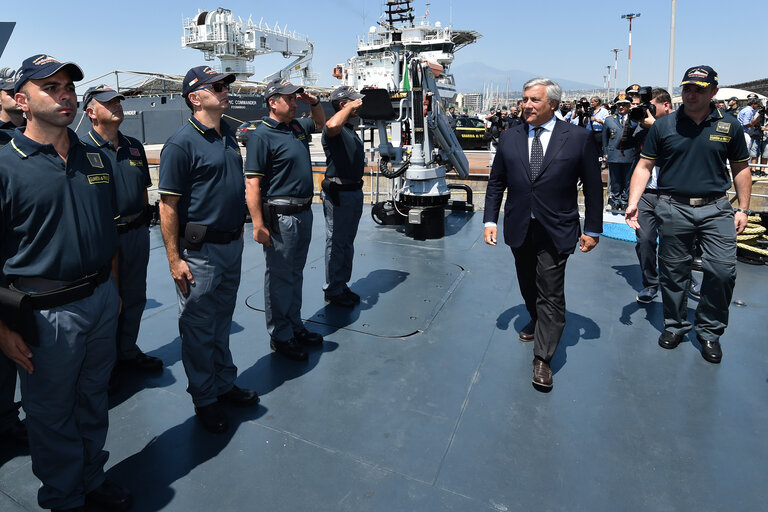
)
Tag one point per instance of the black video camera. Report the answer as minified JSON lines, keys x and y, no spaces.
{"x":640,"y":112}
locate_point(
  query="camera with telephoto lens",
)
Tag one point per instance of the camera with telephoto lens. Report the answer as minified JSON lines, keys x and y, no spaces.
{"x":640,"y":112}
{"x":583,"y":107}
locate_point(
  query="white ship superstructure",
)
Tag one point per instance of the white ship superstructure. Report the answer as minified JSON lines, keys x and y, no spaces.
{"x":400,"y":36}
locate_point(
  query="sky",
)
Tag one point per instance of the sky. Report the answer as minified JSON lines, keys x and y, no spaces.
{"x":560,"y":38}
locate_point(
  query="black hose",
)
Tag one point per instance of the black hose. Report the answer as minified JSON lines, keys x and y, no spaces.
{"x":392,"y":173}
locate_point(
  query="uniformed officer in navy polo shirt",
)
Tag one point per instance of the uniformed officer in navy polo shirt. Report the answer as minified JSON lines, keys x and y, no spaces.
{"x":692,"y":148}
{"x":11,"y":115}
{"x":201,"y":217}
{"x":279,"y":191}
{"x":130,"y":171}
{"x":12,"y":429}
{"x":342,"y":195}
{"x":57,"y":235}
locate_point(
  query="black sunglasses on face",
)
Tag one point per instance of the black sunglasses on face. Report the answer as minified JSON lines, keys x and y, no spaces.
{"x":217,"y":87}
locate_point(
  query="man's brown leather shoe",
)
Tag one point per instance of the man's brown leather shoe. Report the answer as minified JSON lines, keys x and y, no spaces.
{"x":526,"y":334}
{"x":542,"y":374}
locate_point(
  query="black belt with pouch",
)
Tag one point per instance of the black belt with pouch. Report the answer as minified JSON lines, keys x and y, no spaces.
{"x":195,"y":235}
{"x":270,"y":211}
{"x":17,"y":306}
{"x":332,"y":187}
{"x":132,"y":222}
{"x":17,"y":314}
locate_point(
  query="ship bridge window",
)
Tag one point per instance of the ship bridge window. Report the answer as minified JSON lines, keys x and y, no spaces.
{"x":201,"y":18}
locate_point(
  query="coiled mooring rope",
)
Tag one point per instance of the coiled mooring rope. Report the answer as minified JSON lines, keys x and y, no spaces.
{"x":753,"y":233}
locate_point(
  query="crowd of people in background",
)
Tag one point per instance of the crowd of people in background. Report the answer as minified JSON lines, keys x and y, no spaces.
{"x":593,"y":114}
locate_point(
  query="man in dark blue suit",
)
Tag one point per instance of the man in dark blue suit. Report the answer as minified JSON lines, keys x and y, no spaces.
{"x":539,"y":164}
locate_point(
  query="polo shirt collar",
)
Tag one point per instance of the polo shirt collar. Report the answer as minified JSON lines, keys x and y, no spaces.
{"x":26,"y":147}
{"x":101,"y":142}
{"x":714,"y":113}
{"x":203,"y":129}
{"x":273,"y":123}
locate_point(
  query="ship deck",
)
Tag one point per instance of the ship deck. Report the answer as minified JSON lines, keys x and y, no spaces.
{"x":421,"y":397}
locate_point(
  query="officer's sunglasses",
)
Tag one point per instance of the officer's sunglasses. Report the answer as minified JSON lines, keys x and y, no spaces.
{"x":217,"y":87}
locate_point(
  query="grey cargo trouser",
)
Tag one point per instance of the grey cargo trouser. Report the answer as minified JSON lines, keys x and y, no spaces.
{"x":66,"y":397}
{"x":681,"y":225}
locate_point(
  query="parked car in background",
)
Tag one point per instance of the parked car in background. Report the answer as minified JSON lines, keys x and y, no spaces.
{"x":245,"y":129}
{"x":471,"y":133}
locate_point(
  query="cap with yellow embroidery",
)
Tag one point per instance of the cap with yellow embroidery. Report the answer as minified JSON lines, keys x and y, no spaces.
{"x":621,"y":98}
{"x":201,"y":75}
{"x":703,"y":76}
{"x":281,"y":86}
{"x":42,"y":66}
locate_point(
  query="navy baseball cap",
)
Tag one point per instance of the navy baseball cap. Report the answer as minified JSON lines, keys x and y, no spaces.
{"x":6,"y":84}
{"x":100,"y":93}
{"x":202,"y":75}
{"x":345,"y":92}
{"x":703,"y":76}
{"x":281,"y":86}
{"x":42,"y":66}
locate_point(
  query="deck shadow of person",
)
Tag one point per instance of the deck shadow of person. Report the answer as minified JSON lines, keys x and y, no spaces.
{"x":654,"y":314}
{"x":130,"y":381}
{"x":631,"y":274}
{"x":172,"y":455}
{"x":520,"y":315}
{"x":370,"y":288}
{"x":272,"y":370}
{"x":577,"y":327}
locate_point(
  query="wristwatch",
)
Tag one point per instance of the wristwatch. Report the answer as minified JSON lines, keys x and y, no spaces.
{"x":315,"y":103}
{"x":747,"y":211}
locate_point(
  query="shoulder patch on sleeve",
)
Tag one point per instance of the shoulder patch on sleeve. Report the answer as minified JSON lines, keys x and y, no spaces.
{"x":723,"y":127}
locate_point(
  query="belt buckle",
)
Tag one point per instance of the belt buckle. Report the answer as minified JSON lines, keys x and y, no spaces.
{"x":697,"y":201}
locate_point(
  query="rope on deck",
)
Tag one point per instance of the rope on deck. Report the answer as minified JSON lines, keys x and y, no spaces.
{"x":751,"y":238}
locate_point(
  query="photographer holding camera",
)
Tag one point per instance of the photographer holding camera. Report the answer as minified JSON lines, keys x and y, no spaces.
{"x":597,"y":115}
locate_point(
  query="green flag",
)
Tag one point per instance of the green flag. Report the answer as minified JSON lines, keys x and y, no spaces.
{"x":406,"y":84}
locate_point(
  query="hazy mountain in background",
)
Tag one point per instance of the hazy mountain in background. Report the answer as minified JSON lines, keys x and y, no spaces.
{"x":472,"y":76}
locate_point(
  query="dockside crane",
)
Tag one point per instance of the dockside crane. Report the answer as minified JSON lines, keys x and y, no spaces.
{"x":235,"y":43}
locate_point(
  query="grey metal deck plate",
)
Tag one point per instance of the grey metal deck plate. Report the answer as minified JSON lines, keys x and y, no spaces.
{"x":446,"y":419}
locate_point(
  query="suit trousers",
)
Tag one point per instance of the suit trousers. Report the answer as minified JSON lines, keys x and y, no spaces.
{"x":541,"y":277}
{"x":647,"y":234}
{"x":620,"y":174}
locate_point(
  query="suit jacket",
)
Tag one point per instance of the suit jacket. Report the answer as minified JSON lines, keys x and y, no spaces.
{"x":553,"y":198}
{"x":612,"y":130}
